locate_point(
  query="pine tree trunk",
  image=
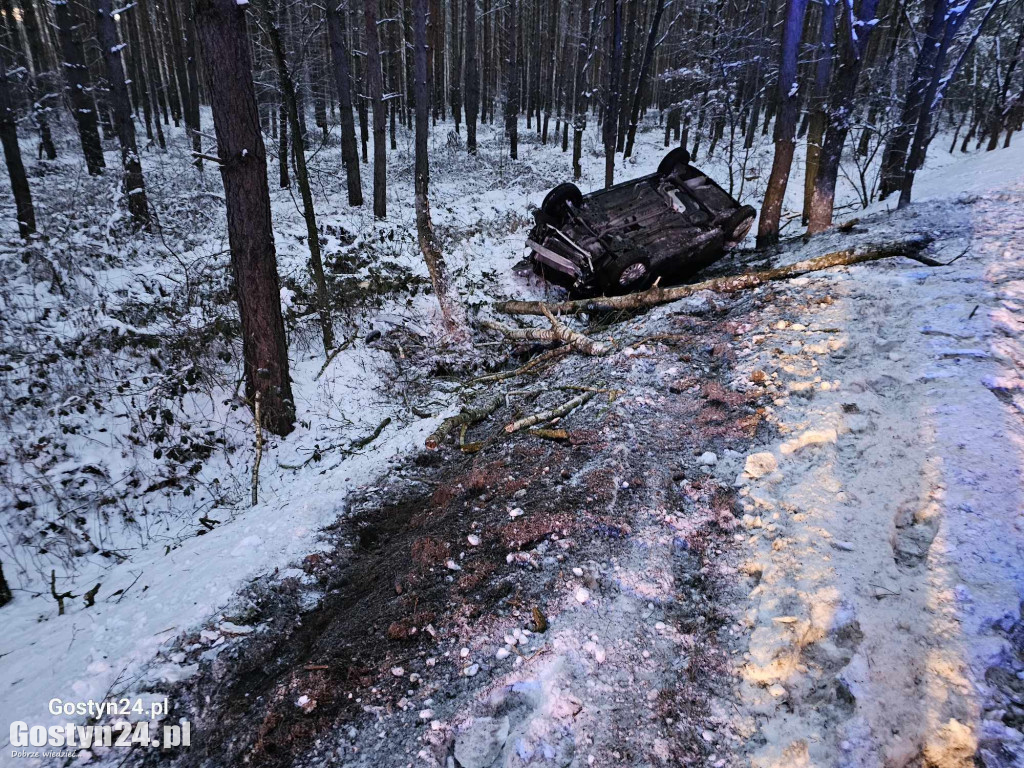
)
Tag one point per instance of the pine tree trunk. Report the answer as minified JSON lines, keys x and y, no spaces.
{"x":376,"y":88}
{"x":819,"y":101}
{"x":337,"y":38}
{"x":79,"y":88}
{"x":364,"y":131}
{"x":894,"y":159}
{"x":785,"y":125}
{"x":629,"y":37}
{"x":580,"y":88}
{"x":455,"y":76}
{"x":42,"y":81}
{"x":282,"y":147}
{"x":611,"y":110}
{"x":192,"y":70}
{"x":451,"y":313}
{"x":472,"y":77}
{"x":225,"y":48}
{"x":153,"y":67}
{"x":512,"y":84}
{"x":19,"y":182}
{"x":645,"y":66}
{"x":132,"y":182}
{"x":177,"y":50}
{"x":287,"y":84}
{"x":932,"y":100}
{"x":839,"y":117}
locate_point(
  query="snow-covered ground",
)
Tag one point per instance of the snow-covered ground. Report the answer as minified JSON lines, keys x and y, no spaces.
{"x":173,"y":580}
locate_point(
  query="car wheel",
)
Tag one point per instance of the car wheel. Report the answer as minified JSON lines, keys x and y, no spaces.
{"x":628,"y":272}
{"x":555,"y":202}
{"x":739,"y":225}
{"x":677,"y":159}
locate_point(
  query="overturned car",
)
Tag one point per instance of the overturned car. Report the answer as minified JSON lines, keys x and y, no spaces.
{"x":670,"y":224}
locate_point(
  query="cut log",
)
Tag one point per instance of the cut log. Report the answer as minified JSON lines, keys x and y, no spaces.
{"x":466,"y":416}
{"x":657,"y":295}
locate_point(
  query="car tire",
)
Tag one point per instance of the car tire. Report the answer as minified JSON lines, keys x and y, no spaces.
{"x":628,"y":272}
{"x":675,"y":160}
{"x":555,"y":201}
{"x":739,"y":225}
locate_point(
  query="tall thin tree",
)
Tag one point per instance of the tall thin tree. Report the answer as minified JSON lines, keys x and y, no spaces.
{"x":512,"y":85}
{"x":785,"y":125}
{"x":288,"y":96}
{"x":645,"y":66}
{"x":374,"y":80}
{"x":225,"y":48}
{"x":337,"y":37}
{"x":15,"y":166}
{"x":472,"y":77}
{"x":611,"y":107}
{"x":840,"y":113}
{"x":79,"y":86}
{"x":132,"y":182}
{"x":451,"y":312}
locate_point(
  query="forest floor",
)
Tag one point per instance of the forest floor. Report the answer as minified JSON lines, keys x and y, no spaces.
{"x":785,"y":532}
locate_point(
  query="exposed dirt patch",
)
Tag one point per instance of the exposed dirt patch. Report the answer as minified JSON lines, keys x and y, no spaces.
{"x":602,"y":558}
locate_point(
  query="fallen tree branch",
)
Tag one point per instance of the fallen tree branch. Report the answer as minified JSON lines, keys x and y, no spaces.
{"x":576,"y":340}
{"x":554,"y":413}
{"x":365,"y":441}
{"x":657,"y":295}
{"x":465,"y":416}
{"x":541,"y":359}
{"x":521,"y":334}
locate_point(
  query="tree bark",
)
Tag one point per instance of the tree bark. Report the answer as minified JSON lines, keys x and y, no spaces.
{"x":512,"y":84}
{"x":785,"y":125}
{"x":611,"y":108}
{"x":132,"y":182}
{"x":472,"y":78}
{"x":16,"y":170}
{"x":42,"y":80}
{"x":226,"y":50}
{"x":840,"y":116}
{"x":79,"y":88}
{"x":819,"y":101}
{"x":580,"y":88}
{"x":376,"y":88}
{"x":339,"y":52}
